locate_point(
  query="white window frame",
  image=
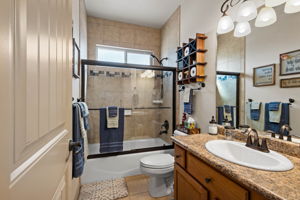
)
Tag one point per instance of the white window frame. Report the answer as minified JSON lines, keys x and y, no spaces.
{"x":126,"y":51}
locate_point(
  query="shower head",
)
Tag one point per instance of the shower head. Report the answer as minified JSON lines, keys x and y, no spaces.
{"x":159,"y":60}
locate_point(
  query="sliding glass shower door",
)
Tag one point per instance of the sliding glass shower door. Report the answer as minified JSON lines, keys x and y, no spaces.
{"x":146,"y":95}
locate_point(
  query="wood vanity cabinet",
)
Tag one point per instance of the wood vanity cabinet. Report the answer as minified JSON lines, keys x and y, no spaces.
{"x":195,"y":180}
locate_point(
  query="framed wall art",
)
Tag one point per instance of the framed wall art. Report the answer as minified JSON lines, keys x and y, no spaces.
{"x":264,"y":75}
{"x":290,"y":63}
{"x":290,"y":82}
{"x":76,"y":60}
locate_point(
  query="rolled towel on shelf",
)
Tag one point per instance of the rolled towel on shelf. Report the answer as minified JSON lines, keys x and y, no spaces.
{"x":193,"y":72}
{"x":180,"y":75}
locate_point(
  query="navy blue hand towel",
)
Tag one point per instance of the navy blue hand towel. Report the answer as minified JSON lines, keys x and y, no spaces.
{"x":111,"y":139}
{"x":227,"y":108}
{"x":188,"y":108}
{"x":220,"y":110}
{"x":78,"y":151}
{"x":255,"y":114}
{"x":112,"y":111}
{"x":274,"y":106}
{"x":285,"y":118}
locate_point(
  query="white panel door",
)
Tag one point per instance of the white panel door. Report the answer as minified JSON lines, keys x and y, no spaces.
{"x":36,"y":77}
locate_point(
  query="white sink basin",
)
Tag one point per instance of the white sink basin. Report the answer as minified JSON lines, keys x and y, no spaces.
{"x":238,"y":153}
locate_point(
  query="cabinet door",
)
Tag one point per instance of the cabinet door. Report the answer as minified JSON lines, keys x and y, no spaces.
{"x":186,"y":188}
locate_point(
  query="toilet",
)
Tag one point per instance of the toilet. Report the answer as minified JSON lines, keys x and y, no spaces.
{"x":159,"y":167}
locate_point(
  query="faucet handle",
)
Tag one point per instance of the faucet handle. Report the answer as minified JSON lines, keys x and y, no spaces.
{"x":264,"y":146}
{"x":272,"y":133}
{"x":249,"y":141}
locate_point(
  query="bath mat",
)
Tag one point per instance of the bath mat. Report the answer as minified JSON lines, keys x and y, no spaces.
{"x":104,"y":190}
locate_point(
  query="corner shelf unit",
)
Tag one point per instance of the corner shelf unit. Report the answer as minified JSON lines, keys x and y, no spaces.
{"x":191,"y":55}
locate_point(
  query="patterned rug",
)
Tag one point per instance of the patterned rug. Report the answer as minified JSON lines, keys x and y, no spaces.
{"x":104,"y":190}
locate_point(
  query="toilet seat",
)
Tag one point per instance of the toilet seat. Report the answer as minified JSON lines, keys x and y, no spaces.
{"x":158,"y":161}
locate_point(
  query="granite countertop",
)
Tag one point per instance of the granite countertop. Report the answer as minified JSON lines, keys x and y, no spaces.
{"x":272,"y":185}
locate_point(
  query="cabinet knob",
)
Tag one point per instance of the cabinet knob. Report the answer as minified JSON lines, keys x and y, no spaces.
{"x":208,"y":180}
{"x":177,"y":156}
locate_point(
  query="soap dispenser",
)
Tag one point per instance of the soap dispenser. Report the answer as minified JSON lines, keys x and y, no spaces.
{"x":226,"y":122}
{"x":213,"y":127}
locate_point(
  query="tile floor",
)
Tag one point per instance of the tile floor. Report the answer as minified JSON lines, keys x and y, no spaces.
{"x":138,"y":189}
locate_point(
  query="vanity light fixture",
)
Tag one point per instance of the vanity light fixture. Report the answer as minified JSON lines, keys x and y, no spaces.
{"x":292,"y":6}
{"x":266,"y":16}
{"x":274,"y":3}
{"x":225,"y":25}
{"x":242,"y":29}
{"x":247,"y":11}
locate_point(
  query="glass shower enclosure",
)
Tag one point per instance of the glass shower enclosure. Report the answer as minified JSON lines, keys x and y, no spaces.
{"x":145,"y":98}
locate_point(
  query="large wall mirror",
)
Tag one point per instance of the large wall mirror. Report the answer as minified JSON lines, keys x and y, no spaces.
{"x":268,"y":65}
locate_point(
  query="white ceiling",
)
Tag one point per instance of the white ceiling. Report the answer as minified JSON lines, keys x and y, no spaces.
{"x":152,"y":13}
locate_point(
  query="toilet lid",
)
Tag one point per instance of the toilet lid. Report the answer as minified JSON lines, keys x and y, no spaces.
{"x":158,"y":161}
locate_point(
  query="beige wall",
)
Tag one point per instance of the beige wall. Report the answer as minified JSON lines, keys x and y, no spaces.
{"x":196,"y":18}
{"x":79,"y":18}
{"x":170,"y":40}
{"x":113,"y":33}
{"x":263,"y":47}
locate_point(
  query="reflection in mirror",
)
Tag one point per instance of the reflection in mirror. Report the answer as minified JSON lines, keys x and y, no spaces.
{"x":266,"y":108}
{"x":227,"y":98}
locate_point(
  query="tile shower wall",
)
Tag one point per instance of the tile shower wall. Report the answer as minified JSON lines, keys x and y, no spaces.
{"x":113,"y":33}
{"x":126,"y":88}
{"x":142,"y":123}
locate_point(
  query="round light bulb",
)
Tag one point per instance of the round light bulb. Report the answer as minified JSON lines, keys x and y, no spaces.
{"x":247,"y":11}
{"x":266,"y":17}
{"x":273,"y":3}
{"x":292,"y":6}
{"x":242,"y":29}
{"x":225,"y":25}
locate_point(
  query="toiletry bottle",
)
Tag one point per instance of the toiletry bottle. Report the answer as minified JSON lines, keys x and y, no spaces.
{"x":226,"y":122}
{"x":213,"y":127}
{"x":183,"y":120}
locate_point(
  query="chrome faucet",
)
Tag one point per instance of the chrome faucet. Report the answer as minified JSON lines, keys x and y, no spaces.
{"x":255,"y":143}
{"x":283,"y":129}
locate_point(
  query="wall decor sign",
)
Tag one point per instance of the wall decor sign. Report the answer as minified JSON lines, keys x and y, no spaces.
{"x":76,"y":60}
{"x":290,"y":82}
{"x":264,"y":75}
{"x":290,"y":63}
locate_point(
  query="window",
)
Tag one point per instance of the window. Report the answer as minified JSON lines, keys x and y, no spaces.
{"x":122,"y":55}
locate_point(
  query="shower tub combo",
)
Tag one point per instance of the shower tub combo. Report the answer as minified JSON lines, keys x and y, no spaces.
{"x":150,"y":101}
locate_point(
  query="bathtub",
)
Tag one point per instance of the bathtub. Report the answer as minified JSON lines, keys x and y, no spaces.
{"x":133,"y":144}
{"x":99,"y":169}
